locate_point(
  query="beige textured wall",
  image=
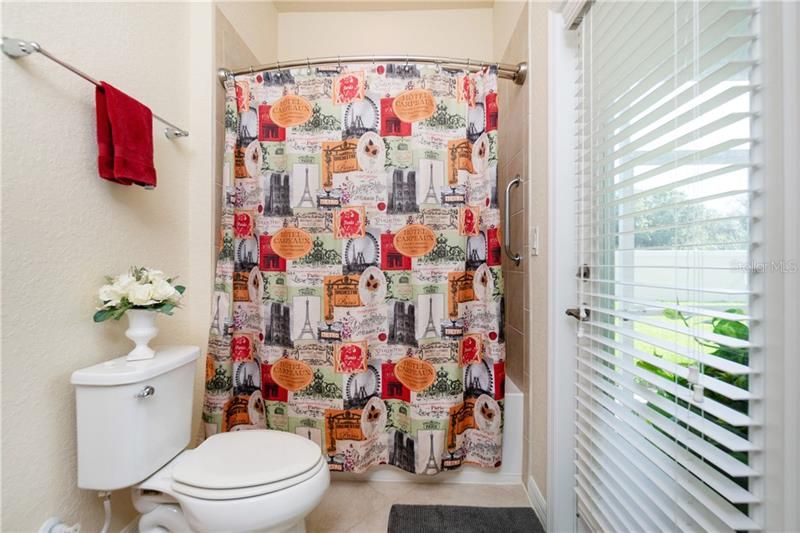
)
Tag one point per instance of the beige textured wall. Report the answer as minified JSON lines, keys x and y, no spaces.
{"x":255,"y":23}
{"x":505,"y":16}
{"x":443,"y":32}
{"x":64,"y":228}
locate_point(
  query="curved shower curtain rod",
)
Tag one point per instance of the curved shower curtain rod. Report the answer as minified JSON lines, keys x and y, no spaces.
{"x":507,"y":71}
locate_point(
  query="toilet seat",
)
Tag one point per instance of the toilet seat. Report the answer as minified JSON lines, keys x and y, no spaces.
{"x":244,"y":464}
{"x":247,"y":492}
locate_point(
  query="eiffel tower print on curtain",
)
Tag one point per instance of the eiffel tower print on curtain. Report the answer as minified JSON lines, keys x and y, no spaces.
{"x":365,"y":202}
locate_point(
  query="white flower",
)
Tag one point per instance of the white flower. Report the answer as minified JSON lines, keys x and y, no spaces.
{"x":154,"y":276}
{"x":163,"y":290}
{"x":141,"y":294}
{"x":124,"y":283}
{"x":110,"y":296}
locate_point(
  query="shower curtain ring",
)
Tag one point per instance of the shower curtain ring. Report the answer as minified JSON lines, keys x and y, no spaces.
{"x":308,"y":64}
{"x":251,"y":70}
{"x":339,"y":62}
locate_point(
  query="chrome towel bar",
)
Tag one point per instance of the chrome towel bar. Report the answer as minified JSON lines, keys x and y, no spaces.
{"x":16,"y":48}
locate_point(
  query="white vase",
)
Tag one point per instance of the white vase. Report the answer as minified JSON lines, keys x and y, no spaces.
{"x":141,"y":330}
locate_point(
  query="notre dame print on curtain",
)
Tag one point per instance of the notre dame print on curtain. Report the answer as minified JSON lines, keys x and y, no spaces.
{"x":358,"y":295}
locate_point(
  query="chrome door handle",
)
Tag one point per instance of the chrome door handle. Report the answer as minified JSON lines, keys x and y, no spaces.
{"x":507,"y":222}
{"x":147,"y":392}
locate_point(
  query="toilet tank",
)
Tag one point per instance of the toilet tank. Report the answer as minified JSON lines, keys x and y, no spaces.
{"x":133,"y":417}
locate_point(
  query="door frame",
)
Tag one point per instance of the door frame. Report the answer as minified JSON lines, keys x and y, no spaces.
{"x":562,"y":289}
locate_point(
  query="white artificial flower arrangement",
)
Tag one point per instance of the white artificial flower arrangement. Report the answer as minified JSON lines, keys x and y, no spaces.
{"x":140,"y":288}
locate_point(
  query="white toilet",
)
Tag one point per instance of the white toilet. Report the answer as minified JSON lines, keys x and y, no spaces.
{"x":134,"y":422}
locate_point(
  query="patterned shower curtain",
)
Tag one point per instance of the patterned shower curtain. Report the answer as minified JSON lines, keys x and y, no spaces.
{"x":358,"y":295}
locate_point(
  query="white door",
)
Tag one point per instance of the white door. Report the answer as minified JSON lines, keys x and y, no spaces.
{"x":666,"y":377}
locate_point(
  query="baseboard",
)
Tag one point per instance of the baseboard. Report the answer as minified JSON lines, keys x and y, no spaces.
{"x":537,"y":501}
{"x":466,"y":474}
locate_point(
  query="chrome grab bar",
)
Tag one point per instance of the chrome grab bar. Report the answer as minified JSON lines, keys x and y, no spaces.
{"x":507,"y":222}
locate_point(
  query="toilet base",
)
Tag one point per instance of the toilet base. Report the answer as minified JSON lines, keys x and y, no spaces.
{"x":169,"y":518}
{"x":165,"y":510}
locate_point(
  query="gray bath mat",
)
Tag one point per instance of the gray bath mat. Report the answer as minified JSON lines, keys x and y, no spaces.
{"x":462,"y":519}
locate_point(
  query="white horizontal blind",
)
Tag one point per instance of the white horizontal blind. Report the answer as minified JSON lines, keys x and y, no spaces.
{"x":666,"y":429}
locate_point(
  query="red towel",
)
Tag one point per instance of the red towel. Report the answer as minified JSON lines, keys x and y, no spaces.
{"x":124,"y":138}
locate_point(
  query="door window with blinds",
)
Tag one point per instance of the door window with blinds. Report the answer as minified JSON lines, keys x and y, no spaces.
{"x":667,"y":422}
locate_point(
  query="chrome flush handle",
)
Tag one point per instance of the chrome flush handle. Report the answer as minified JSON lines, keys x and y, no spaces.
{"x":147,"y":392}
{"x":507,"y":222}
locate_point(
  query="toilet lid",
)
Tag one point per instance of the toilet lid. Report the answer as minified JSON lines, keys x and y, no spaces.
{"x":246,"y":459}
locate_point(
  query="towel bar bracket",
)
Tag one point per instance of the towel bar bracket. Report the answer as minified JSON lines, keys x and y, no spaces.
{"x":18,"y":48}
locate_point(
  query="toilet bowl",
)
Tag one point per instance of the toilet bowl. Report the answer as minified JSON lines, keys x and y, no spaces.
{"x":258,"y":480}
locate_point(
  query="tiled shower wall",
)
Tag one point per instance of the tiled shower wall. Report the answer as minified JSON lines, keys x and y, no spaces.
{"x":523,"y":151}
{"x":513,"y":154}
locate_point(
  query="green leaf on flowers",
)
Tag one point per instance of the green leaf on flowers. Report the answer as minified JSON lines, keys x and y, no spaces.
{"x":103,"y":314}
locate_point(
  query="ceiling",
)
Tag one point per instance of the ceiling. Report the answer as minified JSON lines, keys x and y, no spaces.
{"x":285,"y":6}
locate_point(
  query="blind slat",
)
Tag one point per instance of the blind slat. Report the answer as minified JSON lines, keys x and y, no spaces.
{"x":690,"y":310}
{"x":677,"y":288}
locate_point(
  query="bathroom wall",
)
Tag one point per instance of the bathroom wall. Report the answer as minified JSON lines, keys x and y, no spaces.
{"x":538,"y":304}
{"x":64,"y":228}
{"x":465,"y":32}
{"x":256,"y":27}
{"x":520,"y":34}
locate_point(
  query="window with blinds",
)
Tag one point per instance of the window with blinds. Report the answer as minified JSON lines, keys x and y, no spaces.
{"x":667,"y":383}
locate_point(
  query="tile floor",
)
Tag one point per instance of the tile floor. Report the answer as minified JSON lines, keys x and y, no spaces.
{"x":337,"y":512}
